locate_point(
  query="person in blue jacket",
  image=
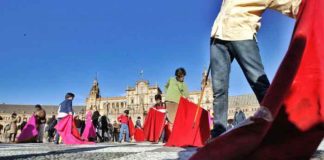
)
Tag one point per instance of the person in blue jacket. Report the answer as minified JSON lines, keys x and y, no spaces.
{"x":65,"y":109}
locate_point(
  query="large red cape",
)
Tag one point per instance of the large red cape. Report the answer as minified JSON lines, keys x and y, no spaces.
{"x":295,"y":99}
{"x":68,"y":131}
{"x":154,"y":125}
{"x":184,"y":132}
{"x":29,"y":132}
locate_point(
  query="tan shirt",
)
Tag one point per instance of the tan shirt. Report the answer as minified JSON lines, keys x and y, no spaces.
{"x":240,"y":19}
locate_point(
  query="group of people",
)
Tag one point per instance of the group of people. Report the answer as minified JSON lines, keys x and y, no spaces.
{"x":16,"y":125}
{"x":105,"y":131}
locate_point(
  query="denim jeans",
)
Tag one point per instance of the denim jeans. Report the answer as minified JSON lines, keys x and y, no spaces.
{"x":246,"y":53}
{"x":122,"y":128}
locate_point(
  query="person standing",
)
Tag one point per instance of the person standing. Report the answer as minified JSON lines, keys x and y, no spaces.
{"x":50,"y":128}
{"x":40,"y":122}
{"x":13,"y":127}
{"x":95,"y":121}
{"x":233,"y":36}
{"x":116,"y":131}
{"x":175,"y":88}
{"x":123,"y":119}
{"x":239,"y":116}
{"x":65,"y":109}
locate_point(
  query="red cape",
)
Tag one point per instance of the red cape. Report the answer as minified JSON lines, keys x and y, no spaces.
{"x":139,"y":135}
{"x":294,"y":99}
{"x":29,"y":132}
{"x":167,"y":129}
{"x":184,"y":132}
{"x":89,"y":130}
{"x":153,"y":125}
{"x":131,"y":127}
{"x":68,"y":132}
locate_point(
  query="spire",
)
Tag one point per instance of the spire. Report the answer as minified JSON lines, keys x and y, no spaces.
{"x":95,"y":82}
{"x":142,"y":75}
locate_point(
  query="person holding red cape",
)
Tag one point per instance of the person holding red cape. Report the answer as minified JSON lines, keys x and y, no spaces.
{"x":127,"y":126}
{"x":289,"y":125}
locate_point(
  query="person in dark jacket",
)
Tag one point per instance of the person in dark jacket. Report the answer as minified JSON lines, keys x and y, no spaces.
{"x":65,"y":109}
{"x":95,"y":121}
{"x":138,"y":123}
{"x":103,"y":128}
{"x":50,"y":129}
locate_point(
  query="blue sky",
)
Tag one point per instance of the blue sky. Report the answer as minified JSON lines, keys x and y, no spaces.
{"x":48,"y":48}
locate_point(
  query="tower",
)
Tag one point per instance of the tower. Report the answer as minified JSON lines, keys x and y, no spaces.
{"x":93,"y":101}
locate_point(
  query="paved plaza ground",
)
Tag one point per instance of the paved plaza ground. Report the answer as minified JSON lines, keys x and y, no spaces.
{"x":123,"y":151}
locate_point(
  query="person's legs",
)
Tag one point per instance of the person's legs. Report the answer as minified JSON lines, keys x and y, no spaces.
{"x":162,"y":135}
{"x":116,"y":136}
{"x":127,"y":133}
{"x":40,"y":133}
{"x":10,"y":135}
{"x":172,"y":108}
{"x":122,"y":128}
{"x":248,"y":57}
{"x":220,"y":61}
{"x":57,"y":135}
{"x":14,"y":138}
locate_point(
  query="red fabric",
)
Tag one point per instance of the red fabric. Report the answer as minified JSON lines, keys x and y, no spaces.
{"x":68,"y":132}
{"x":184,"y":132}
{"x":153,"y":125}
{"x":139,"y":135}
{"x":295,"y":100}
{"x":167,"y":130}
{"x":123,"y":119}
{"x":89,"y":130}
{"x":29,"y":132}
{"x":131,"y":127}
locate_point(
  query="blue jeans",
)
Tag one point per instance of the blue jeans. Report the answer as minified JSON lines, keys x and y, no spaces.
{"x":246,"y":53}
{"x":122,"y":128}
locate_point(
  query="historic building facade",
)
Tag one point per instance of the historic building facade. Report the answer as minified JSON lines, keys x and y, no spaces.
{"x":139,"y":98}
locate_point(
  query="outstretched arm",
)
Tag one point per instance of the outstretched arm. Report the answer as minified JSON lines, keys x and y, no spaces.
{"x":287,"y":7}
